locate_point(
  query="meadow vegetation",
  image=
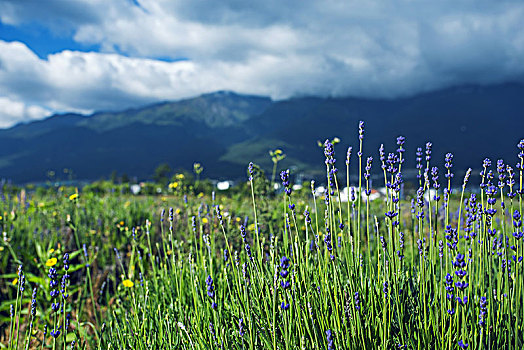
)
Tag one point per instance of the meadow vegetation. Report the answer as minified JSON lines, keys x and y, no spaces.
{"x":436,"y":268}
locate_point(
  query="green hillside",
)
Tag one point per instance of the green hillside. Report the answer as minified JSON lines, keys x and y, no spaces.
{"x":225,"y":131}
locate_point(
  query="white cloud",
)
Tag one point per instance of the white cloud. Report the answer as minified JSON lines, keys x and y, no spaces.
{"x":373,"y":48}
{"x":12,"y":112}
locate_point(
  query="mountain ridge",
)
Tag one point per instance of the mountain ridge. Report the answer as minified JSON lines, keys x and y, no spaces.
{"x":225,"y":130}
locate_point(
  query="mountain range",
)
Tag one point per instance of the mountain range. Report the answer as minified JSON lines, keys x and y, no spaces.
{"x":224,"y":131}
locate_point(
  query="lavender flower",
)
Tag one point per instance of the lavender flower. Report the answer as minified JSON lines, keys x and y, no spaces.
{"x":56,"y":333}
{"x":466,"y":177}
{"x":383,"y":242}
{"x":367,"y":174}
{"x":501,"y":170}
{"x":307,"y":217}
{"x":211,"y":291}
{"x":483,"y":311}
{"x":241,"y":331}
{"x":449,"y":286}
{"x":461,"y":285}
{"x":329,"y":339}
{"x":391,"y":163}
{"x":66,"y":266}
{"x":510,"y":182}
{"x":248,"y":251}
{"x":491,"y":192}
{"x":251,"y":171}
{"x":400,"y":252}
{"x":284,"y":176}
{"x":448,"y":165}
{"x":382,"y":156}
{"x":327,"y":240}
{"x":517,"y":222}
{"x":219,"y":215}
{"x":420,"y":246}
{"x":284,"y":272}
{"x":86,"y":256}
{"x":483,"y":173}
{"x":329,"y":152}
{"x":428,"y":151}
{"x":21,"y":282}
{"x":361,"y":130}
{"x":462,"y":344}
{"x":459,"y":262}
{"x":420,"y":202}
{"x":520,"y":146}
{"x":419,"y":162}
{"x":348,"y":155}
{"x":33,"y":303}
{"x":53,"y":282}
{"x":400,"y":144}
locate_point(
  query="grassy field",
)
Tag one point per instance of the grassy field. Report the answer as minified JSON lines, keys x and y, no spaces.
{"x":253,"y":268}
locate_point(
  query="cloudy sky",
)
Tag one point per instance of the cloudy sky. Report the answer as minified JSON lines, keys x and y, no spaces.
{"x":85,"y":55}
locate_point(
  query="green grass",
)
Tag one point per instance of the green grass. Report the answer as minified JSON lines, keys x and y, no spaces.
{"x":144,"y":278}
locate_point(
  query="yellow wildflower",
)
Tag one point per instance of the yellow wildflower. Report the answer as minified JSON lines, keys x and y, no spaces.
{"x":177,"y":211}
{"x":128,"y":283}
{"x":200,"y":195}
{"x":73,"y":196}
{"x":180,"y":176}
{"x":15,"y":281}
{"x":50,"y":262}
{"x":205,"y":220}
{"x":51,"y":251}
